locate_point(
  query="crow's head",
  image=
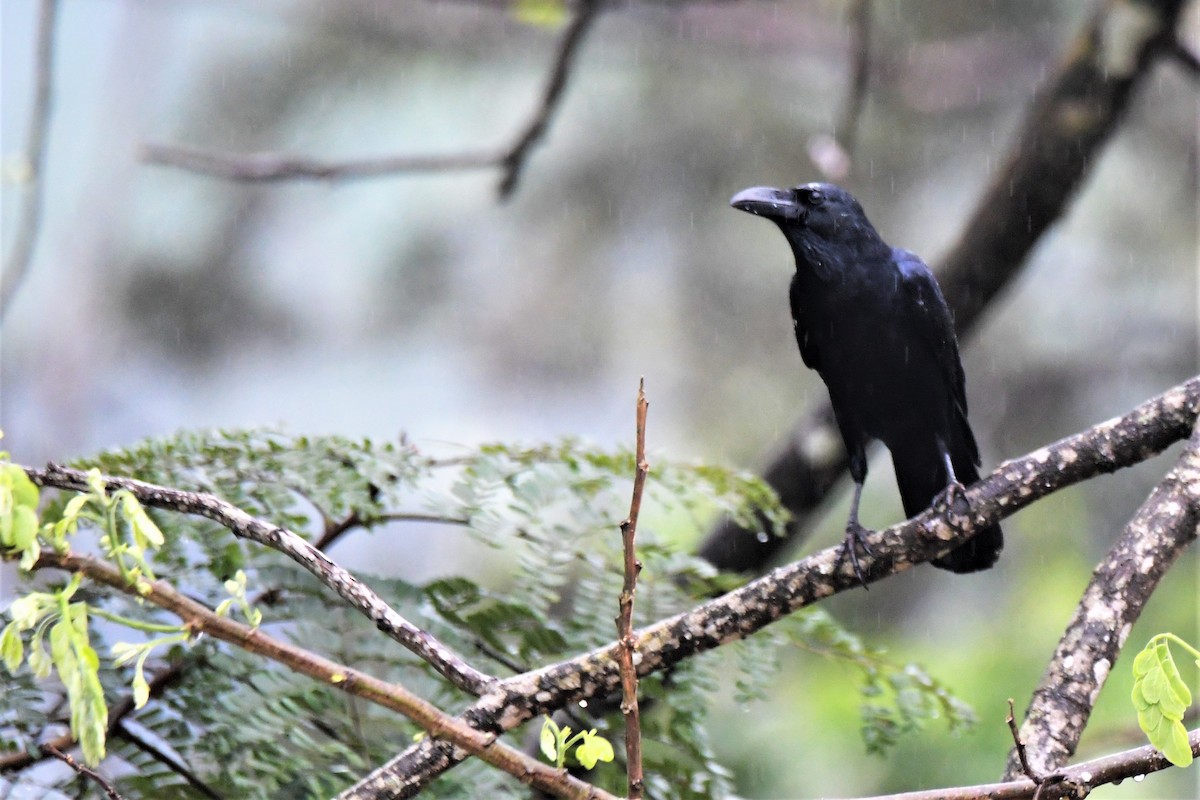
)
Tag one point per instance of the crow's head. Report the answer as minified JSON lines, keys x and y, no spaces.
{"x":812,"y":211}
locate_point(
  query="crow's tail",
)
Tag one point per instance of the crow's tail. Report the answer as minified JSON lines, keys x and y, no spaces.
{"x":920,"y":480}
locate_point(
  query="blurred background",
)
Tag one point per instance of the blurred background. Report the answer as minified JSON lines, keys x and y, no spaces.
{"x":160,"y":299}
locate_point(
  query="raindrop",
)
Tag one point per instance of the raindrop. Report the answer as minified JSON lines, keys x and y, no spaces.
{"x":1139,"y":778}
{"x":583,"y":703}
{"x":762,"y":536}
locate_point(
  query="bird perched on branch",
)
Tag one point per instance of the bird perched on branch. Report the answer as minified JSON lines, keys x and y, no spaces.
{"x":872,"y":321}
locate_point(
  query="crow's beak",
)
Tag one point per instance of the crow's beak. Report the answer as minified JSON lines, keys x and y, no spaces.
{"x":765,"y":201}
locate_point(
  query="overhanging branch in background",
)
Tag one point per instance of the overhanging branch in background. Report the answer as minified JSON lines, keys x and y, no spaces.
{"x":273,"y":167}
{"x":1062,"y":138}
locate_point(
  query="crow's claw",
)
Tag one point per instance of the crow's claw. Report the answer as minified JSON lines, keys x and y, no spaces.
{"x":953,"y":498}
{"x":855,"y":538}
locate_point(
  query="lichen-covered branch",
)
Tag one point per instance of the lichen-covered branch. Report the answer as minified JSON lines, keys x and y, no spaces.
{"x":1122,"y":583}
{"x":1111,"y":445}
{"x":1063,"y":136}
{"x":451,"y":665}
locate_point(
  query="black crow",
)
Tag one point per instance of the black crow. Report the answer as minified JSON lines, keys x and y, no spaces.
{"x":872,"y":321}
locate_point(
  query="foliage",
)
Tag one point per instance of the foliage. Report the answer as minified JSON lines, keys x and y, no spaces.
{"x":546,"y":522}
{"x":1161,"y":697}
{"x":556,"y":742}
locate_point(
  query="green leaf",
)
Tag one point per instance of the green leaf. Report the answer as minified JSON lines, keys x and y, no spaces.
{"x":593,"y":748}
{"x":1160,"y":698}
{"x":39,"y":659}
{"x":12,"y":649}
{"x":145,"y":532}
{"x":548,"y":741}
{"x":21,"y":490}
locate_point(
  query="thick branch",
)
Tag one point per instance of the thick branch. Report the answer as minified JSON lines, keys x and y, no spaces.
{"x":1122,"y":583}
{"x":1111,"y":445}
{"x":16,"y":266}
{"x":440,"y":725}
{"x":443,"y":659}
{"x":1062,"y":137}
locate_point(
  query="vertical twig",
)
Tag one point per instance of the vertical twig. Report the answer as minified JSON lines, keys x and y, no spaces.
{"x":629,"y":682}
{"x":21,"y":255}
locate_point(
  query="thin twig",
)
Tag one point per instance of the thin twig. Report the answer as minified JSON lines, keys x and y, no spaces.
{"x":1073,"y":782}
{"x":448,"y":663}
{"x":568,"y":47}
{"x":1011,"y":720}
{"x":627,"y":651}
{"x":269,"y":167}
{"x":83,"y":770}
{"x":20,"y":257}
{"x":193,"y":780}
{"x":116,"y":714}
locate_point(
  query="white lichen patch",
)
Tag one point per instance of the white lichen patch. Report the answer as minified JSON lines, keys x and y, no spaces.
{"x":1100,"y":673}
{"x":1041,"y":456}
{"x":1067,"y":455}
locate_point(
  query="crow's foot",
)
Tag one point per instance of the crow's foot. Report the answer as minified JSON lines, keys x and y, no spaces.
{"x":855,"y":538}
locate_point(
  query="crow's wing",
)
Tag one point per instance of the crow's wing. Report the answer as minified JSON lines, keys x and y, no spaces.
{"x":801,"y":323}
{"x":929,"y":315}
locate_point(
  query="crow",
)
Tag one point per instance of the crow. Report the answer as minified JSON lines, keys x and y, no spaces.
{"x":871,"y":320}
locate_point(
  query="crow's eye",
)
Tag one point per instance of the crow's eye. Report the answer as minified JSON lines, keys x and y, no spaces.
{"x":812,"y":197}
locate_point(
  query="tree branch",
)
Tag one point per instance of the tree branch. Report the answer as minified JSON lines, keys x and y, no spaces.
{"x":441,"y":726}
{"x":20,"y":257}
{"x":448,"y":663}
{"x":1061,"y":138}
{"x":1104,"y":448}
{"x":83,"y":771}
{"x":1073,"y":782}
{"x":270,"y":167}
{"x":514,"y":160}
{"x":1122,"y":583}
{"x":628,"y":649}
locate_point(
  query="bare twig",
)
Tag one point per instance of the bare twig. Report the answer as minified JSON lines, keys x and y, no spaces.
{"x":83,"y":771}
{"x":628,"y":649}
{"x":140,"y":742}
{"x":440,"y":725}
{"x":335,"y":529}
{"x":448,"y":663}
{"x":20,"y":257}
{"x":268,"y":167}
{"x":1074,"y":782}
{"x":1111,"y":445}
{"x":116,"y":715}
{"x":1042,"y":172}
{"x":515,"y":159}
{"x":1019,"y":746}
{"x":1122,"y":583}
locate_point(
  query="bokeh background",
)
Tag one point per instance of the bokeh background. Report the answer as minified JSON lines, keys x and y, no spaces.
{"x":160,"y":299}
